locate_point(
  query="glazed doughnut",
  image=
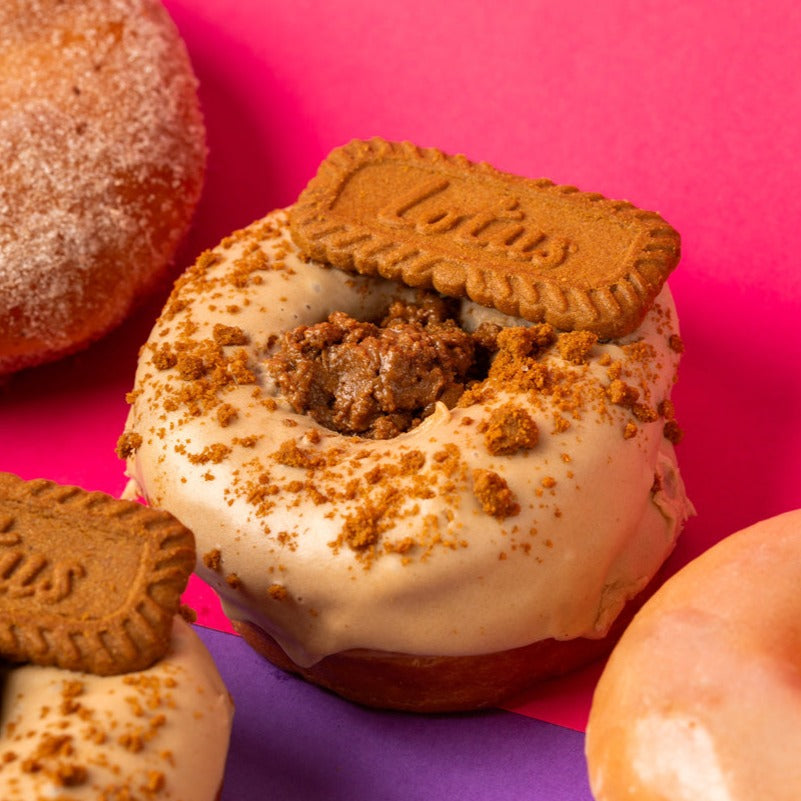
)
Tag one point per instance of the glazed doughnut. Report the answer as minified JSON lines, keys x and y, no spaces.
{"x":701,"y":697}
{"x":102,"y":156}
{"x":492,"y":544}
{"x":157,"y":733}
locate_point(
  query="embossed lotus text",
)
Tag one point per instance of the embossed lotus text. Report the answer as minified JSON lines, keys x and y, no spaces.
{"x":26,"y":574}
{"x":432,"y":207}
{"x":529,"y":248}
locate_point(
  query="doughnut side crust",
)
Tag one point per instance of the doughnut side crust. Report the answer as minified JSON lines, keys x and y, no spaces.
{"x":432,"y":684}
{"x":328,"y":543}
{"x":158,"y":733}
{"x":701,"y":697}
{"x":102,"y":157}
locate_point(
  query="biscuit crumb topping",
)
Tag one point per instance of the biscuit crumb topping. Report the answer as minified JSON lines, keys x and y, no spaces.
{"x":362,"y":381}
{"x":510,"y":429}
{"x":494,"y":495}
{"x":128,"y":444}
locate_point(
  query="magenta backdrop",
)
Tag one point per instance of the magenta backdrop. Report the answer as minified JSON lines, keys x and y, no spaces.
{"x":691,"y":109}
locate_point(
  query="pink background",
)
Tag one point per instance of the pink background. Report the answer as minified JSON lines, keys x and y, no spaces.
{"x":691,"y":109}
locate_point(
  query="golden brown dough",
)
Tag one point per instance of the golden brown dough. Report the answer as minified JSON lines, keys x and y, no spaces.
{"x":430,"y":684}
{"x":701,"y":699}
{"x":102,"y":155}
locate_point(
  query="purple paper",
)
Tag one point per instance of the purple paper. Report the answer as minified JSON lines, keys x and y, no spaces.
{"x":294,"y":742}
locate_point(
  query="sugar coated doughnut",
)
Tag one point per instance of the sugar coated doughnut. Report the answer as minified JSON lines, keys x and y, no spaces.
{"x":157,"y":733}
{"x":439,"y":567}
{"x":102,"y":155}
{"x":701,"y":698}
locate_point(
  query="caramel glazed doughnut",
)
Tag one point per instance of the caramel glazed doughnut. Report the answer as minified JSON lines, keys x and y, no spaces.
{"x":499,"y":538}
{"x":102,"y":156}
{"x":156,"y":733}
{"x":701,"y":698}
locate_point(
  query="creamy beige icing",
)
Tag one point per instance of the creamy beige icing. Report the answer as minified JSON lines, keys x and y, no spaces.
{"x":158,"y":733}
{"x":330,"y":543}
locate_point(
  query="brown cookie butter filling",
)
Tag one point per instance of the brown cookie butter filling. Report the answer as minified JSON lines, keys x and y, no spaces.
{"x":377,"y":380}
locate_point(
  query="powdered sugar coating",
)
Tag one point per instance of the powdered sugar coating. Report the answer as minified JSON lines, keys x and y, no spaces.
{"x":102,"y":152}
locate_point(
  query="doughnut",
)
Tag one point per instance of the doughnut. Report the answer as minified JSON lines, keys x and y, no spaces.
{"x":102,"y":157}
{"x":417,"y":501}
{"x":106,"y":692}
{"x":701,"y":698}
{"x":157,"y":733}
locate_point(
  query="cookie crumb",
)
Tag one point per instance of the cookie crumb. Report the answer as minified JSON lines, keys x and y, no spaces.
{"x":575,"y":346}
{"x":675,"y":343}
{"x":229,"y":335}
{"x":226,"y":414}
{"x":361,"y":529}
{"x":673,"y":432}
{"x":213,"y":560}
{"x":128,"y":444}
{"x":509,"y":430}
{"x":494,"y":495}
{"x":622,"y":394}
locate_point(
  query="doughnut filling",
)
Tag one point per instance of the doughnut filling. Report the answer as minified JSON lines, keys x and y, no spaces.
{"x":525,"y":488}
{"x":157,"y":733}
